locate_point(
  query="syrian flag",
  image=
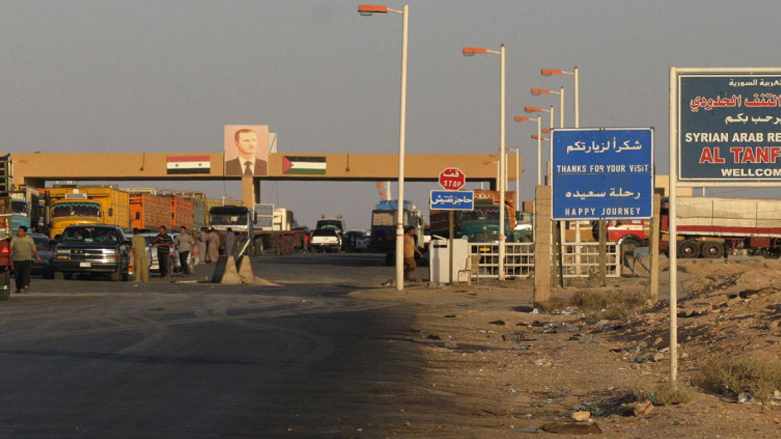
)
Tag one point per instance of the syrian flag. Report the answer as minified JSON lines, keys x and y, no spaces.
{"x":191,"y":164}
{"x":303,"y":165}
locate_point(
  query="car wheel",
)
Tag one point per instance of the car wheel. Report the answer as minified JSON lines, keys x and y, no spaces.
{"x":58,"y":275}
{"x":712,"y":250}
{"x":117,"y":275}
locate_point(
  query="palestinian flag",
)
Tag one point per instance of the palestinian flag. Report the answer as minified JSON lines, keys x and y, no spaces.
{"x":190,"y":164}
{"x":303,"y":165}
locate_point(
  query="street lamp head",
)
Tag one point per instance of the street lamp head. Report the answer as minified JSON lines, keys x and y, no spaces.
{"x":471,"y":51}
{"x":549,"y":72}
{"x":540,"y":91}
{"x":532,"y":109}
{"x":368,"y":10}
{"x":521,"y":119}
{"x":489,"y":162}
{"x":536,"y":137}
{"x":545,"y":130}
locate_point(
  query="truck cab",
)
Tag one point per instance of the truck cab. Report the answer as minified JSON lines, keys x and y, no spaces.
{"x":67,"y":212}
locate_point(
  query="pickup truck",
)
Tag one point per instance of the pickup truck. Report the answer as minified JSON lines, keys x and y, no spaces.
{"x":326,"y":240}
{"x":99,"y":249}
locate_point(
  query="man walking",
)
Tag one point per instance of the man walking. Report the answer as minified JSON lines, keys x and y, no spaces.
{"x":163,"y":243}
{"x":230,"y":242}
{"x":22,"y":250}
{"x":184,"y":244}
{"x":140,"y":261}
{"x":409,"y":252}
{"x":214,"y":245}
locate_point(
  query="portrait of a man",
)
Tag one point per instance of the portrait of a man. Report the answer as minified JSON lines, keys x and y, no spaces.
{"x":246,"y":150}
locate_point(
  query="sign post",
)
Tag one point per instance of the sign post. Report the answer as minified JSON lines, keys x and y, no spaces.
{"x":723,"y":133}
{"x":602,"y":173}
{"x":452,"y":180}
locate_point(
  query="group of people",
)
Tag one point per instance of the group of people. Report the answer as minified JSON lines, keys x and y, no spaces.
{"x":205,"y":247}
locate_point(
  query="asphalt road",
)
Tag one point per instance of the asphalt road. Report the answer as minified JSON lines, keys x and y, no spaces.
{"x":96,"y":359}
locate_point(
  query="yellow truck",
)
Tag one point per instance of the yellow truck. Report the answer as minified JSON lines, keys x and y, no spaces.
{"x":88,"y":205}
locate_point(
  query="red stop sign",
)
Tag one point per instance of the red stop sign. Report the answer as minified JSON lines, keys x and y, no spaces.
{"x":452,"y":179}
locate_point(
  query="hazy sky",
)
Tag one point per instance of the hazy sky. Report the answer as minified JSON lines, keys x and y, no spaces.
{"x":164,"y":75}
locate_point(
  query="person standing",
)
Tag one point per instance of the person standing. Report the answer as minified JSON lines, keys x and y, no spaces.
{"x":214,"y":245}
{"x":22,"y":250}
{"x":203,"y":242}
{"x":409,"y":252}
{"x":140,"y":261}
{"x":163,"y":243}
{"x":184,"y":244}
{"x":230,"y":242}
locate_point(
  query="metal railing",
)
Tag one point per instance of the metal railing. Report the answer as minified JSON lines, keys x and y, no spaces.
{"x":519,"y":259}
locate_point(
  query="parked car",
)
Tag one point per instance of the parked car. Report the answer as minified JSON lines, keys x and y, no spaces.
{"x":45,"y":247}
{"x":356,"y":241}
{"x":326,"y":240}
{"x":173,"y":257}
{"x":98,"y":249}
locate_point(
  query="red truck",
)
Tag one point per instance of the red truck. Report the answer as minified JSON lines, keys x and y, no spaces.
{"x":711,"y":227}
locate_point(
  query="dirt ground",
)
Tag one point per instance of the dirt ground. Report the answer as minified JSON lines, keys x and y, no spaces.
{"x":511,"y":369}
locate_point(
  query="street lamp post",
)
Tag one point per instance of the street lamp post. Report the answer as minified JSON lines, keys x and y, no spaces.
{"x":551,"y":112}
{"x":470,"y":51}
{"x":367,"y":10}
{"x":541,"y":91}
{"x":539,"y":144}
{"x":575,"y":73}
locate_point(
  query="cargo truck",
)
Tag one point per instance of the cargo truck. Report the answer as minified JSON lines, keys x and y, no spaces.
{"x":714,"y":227}
{"x":383,"y":227}
{"x":88,"y":205}
{"x":181,"y":212}
{"x":480,"y":224}
{"x":148,"y":212}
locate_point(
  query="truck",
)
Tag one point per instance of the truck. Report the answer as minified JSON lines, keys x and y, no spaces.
{"x":242,"y":220}
{"x":709,"y":227}
{"x":480,"y":224}
{"x":713,"y":227}
{"x":6,"y":234}
{"x":72,"y":205}
{"x":383,"y":227}
{"x":28,"y":211}
{"x":336,"y":223}
{"x":181,"y":210}
{"x":148,"y":211}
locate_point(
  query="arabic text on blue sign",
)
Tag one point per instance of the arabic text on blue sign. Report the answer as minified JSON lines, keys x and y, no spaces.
{"x":729,"y":127}
{"x":452,"y":200}
{"x":602,"y":173}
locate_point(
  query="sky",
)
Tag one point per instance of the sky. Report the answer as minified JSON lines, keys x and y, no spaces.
{"x":167,"y":75}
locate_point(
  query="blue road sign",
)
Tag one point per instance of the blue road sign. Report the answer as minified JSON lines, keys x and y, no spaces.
{"x":452,"y":200}
{"x":602,"y":173}
{"x":728,"y":127}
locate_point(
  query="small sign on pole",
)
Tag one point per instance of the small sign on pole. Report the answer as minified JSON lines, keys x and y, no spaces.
{"x":452,"y":200}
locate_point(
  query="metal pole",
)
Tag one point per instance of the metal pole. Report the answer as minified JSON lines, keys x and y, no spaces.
{"x":388,"y":195}
{"x":561,"y":107}
{"x":577,"y":98}
{"x":402,"y":135}
{"x":451,"y":232}
{"x":673,"y":229}
{"x":502,"y":146}
{"x":517,"y":178}
{"x":539,"y":150}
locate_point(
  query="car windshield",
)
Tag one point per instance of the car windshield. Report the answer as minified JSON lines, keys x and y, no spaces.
{"x":20,"y":207}
{"x":41,"y":243}
{"x":75,"y":209}
{"x":88,"y":235}
{"x":218,"y":219}
{"x":324,"y":232}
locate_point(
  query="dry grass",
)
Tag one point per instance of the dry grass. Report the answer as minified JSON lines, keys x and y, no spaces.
{"x":601,"y":305}
{"x":666,"y":394}
{"x":757,"y":376}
